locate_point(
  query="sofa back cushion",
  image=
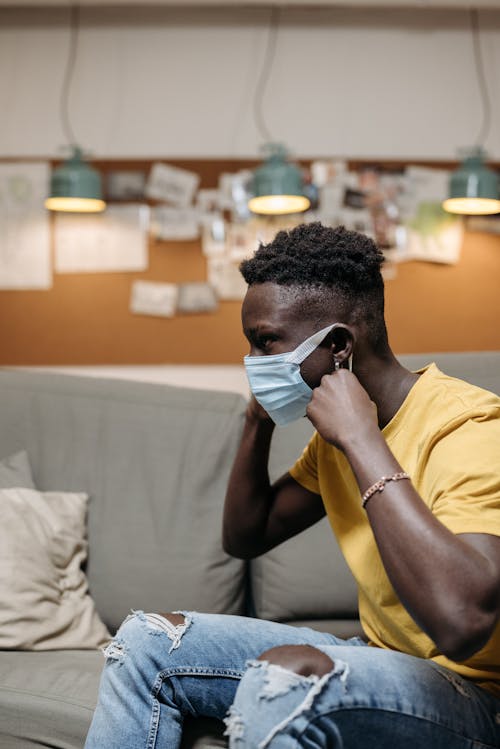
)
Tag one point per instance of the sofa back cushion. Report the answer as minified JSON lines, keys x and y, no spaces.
{"x":481,"y":368}
{"x":306,"y":577}
{"x":154,"y":460}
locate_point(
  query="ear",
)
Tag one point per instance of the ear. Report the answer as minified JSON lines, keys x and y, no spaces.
{"x":342,"y":339}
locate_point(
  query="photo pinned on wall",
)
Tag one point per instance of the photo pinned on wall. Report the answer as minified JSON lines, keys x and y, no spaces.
{"x":170,"y":224}
{"x":153,"y":298}
{"x":324,"y":172}
{"x":242,"y":240}
{"x":330,"y":203}
{"x":265,"y":228}
{"x":171,"y":184}
{"x":196,"y":297}
{"x":226,"y":279}
{"x":126,"y":184}
{"x":213,"y":235}
{"x":25,"y":254}
{"x":235,"y":193}
{"x":432,"y":234}
{"x":208,"y":200}
{"x":109,"y":242}
{"x":381,"y":193}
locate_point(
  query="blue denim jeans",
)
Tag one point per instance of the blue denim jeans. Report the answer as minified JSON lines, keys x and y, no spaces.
{"x":156,"y":674}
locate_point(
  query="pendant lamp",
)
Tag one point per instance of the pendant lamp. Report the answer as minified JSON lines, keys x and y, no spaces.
{"x":75,"y":186}
{"x":473,"y":188}
{"x":277,"y":186}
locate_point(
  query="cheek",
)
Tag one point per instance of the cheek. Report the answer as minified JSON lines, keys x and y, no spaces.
{"x":319,"y":363}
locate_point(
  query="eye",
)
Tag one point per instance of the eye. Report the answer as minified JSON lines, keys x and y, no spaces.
{"x":265,"y":341}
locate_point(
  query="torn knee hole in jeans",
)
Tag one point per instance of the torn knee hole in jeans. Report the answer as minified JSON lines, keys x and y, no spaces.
{"x":175,"y":632}
{"x":115,"y":650}
{"x":235,"y":727}
{"x":278,"y":681}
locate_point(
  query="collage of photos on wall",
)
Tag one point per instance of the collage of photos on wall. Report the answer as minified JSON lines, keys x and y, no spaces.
{"x":401,"y":210}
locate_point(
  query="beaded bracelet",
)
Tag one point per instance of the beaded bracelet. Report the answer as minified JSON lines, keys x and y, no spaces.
{"x":379,"y":485}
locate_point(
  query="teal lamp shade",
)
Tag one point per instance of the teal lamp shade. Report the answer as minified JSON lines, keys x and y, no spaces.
{"x":75,"y":186}
{"x":277,"y":185}
{"x":473,"y":187}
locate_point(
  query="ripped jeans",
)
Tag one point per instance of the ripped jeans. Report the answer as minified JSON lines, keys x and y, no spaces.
{"x":157,"y":673}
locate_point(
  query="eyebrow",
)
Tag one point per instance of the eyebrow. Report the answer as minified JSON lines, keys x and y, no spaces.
{"x":262,"y":327}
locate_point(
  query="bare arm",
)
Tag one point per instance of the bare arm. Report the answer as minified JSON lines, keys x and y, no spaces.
{"x":259,"y":515}
{"x":450,"y":584}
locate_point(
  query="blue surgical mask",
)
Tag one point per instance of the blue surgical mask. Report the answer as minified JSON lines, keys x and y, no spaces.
{"x":276,"y":381}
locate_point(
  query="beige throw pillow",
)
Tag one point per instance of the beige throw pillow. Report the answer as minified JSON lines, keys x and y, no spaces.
{"x":44,"y":598}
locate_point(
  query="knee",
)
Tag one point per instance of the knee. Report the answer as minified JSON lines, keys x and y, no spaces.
{"x":175,"y":619}
{"x":304,"y":660}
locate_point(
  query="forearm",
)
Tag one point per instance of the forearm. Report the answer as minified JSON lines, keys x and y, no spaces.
{"x":445,"y":584}
{"x":249,"y":493}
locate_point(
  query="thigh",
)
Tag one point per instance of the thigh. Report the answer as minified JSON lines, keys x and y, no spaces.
{"x":215,"y":641}
{"x":374,"y":696}
{"x":202,"y":659}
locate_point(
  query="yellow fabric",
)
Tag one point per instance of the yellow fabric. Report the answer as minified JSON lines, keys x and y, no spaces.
{"x":446,"y":435}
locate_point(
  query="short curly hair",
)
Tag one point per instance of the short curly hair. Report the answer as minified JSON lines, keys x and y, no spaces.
{"x":334,"y":263}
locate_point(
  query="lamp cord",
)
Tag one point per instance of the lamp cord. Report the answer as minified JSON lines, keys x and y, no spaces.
{"x":481,"y":78}
{"x":68,"y":74}
{"x":265,"y":73}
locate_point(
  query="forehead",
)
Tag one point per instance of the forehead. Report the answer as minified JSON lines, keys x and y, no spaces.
{"x":270,"y":301}
{"x":274,"y":305}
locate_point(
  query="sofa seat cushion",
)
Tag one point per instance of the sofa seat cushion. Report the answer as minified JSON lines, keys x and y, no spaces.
{"x":47,"y":698}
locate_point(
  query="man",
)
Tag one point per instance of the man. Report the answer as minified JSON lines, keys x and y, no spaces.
{"x":406,"y":466}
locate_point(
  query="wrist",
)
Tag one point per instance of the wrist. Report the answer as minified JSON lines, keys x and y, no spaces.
{"x":360,"y":440}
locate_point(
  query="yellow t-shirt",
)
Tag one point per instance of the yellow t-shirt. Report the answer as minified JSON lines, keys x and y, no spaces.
{"x":446,"y":435}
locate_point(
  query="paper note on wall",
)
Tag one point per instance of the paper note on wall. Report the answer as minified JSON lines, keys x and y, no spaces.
{"x":432,"y":234}
{"x":113,"y":241}
{"x":196,"y":297}
{"x":226,"y":279}
{"x":24,"y":226}
{"x":171,"y":184}
{"x":175,"y":223}
{"x":152,"y":298}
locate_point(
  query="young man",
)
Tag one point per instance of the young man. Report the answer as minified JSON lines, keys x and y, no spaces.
{"x":406,"y":466}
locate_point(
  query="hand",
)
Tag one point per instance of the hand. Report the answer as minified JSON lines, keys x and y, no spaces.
{"x":255,"y":411}
{"x":341,"y":410}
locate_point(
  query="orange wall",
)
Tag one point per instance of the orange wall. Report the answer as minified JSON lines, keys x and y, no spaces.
{"x":432,"y":307}
{"x":85,"y":319}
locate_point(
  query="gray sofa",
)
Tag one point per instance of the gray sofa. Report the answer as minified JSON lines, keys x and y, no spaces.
{"x":155,"y":460}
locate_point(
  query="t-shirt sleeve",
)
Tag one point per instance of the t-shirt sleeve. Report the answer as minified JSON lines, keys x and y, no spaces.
{"x":462,"y":478}
{"x":305,"y":470}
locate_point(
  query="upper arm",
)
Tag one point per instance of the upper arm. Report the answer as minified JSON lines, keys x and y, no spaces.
{"x":294,"y":508}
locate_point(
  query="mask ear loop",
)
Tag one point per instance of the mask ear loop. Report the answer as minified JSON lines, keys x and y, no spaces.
{"x":336,"y":364}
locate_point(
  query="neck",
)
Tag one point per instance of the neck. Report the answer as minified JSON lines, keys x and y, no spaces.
{"x":387,"y":383}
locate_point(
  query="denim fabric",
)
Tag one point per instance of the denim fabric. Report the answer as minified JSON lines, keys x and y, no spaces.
{"x":157,"y":674}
